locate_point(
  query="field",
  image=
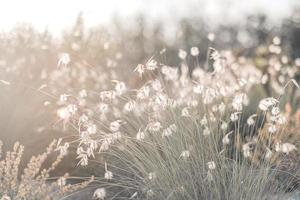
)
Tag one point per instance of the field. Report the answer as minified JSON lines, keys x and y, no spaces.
{"x":124,"y":113}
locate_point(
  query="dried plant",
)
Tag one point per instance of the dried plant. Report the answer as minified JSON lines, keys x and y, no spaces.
{"x":34,"y":182}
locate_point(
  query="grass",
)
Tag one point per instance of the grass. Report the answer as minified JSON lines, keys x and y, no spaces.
{"x":178,"y":137}
{"x":227,"y":128}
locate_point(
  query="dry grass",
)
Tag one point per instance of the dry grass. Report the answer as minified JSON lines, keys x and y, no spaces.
{"x":34,"y":182}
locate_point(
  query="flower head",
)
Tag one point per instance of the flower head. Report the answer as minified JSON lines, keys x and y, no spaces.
{"x":99,"y":193}
{"x":185,"y":154}
{"x":285,"y":147}
{"x":211,"y":165}
{"x":195,"y":51}
{"x":182,"y":54}
{"x":64,"y":60}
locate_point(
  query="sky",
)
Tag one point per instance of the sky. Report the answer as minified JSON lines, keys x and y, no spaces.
{"x":58,"y":15}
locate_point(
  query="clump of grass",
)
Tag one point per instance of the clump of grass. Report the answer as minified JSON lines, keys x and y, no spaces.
{"x":190,"y":165}
{"x":34,"y":182}
{"x":185,"y":135}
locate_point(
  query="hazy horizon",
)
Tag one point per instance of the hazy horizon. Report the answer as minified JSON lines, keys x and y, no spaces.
{"x":57,"y":15}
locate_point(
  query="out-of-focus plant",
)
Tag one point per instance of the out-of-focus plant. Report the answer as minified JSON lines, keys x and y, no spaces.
{"x":34,"y":182}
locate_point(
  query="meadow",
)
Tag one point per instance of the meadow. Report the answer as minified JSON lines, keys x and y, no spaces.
{"x":125,"y":114}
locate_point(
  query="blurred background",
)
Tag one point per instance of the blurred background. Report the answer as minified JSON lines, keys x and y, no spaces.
{"x":102,"y":36}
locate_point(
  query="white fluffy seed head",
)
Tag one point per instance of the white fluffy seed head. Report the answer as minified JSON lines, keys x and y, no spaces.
{"x":108,"y":175}
{"x":195,"y":51}
{"x":115,"y":126}
{"x":226,"y":139}
{"x":272,"y":128}
{"x":99,"y":193}
{"x":211,"y":37}
{"x":154,"y":126}
{"x":120,"y":88}
{"x":211,"y":165}
{"x":246,"y":150}
{"x":63,"y":113}
{"x":64,"y":60}
{"x":198,"y":89}
{"x":275,"y":110}
{"x":185,"y":154}
{"x":224,"y":126}
{"x":185,"y":112}
{"x":264,"y":104}
{"x":250,"y":121}
{"x":234,"y":117}
{"x":182,"y":54}
{"x":140,"y":135}
{"x":151,"y":175}
{"x":285,"y":147}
